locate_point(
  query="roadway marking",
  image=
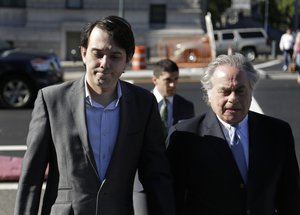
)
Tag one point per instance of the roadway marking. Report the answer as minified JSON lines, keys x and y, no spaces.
{"x":13,"y":186}
{"x":267,"y":64}
{"x":13,"y":148}
{"x":9,"y":186}
{"x":255,"y":106}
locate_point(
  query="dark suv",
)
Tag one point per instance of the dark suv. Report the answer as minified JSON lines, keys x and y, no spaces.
{"x":22,"y":74}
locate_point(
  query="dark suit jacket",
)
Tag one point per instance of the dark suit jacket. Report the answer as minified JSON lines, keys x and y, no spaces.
{"x":182,"y":109}
{"x":58,"y":136}
{"x":207,"y":180}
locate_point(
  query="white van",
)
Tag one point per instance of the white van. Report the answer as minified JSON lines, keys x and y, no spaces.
{"x":249,"y":41}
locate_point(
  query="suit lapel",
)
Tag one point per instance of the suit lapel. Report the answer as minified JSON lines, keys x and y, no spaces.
{"x":123,"y":128}
{"x":77,"y":101}
{"x":212,"y":128}
{"x":256,"y":145}
{"x":175,"y":109}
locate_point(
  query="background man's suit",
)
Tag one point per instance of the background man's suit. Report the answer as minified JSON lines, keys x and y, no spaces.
{"x":58,"y":135}
{"x":182,"y":109}
{"x":198,"y":146}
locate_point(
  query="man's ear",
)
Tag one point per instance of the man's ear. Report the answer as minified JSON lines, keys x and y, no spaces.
{"x":129,"y":58}
{"x":83,"y":53}
{"x":154,"y":79}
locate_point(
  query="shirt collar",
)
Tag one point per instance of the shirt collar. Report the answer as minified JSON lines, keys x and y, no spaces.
{"x":242,"y":126}
{"x":93,"y":103}
{"x":159,"y":97}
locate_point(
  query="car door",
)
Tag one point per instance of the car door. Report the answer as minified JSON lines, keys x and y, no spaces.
{"x":225,"y":41}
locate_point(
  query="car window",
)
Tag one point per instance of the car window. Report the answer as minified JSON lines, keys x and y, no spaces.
{"x":253,"y":34}
{"x":227,"y":36}
{"x":5,"y":45}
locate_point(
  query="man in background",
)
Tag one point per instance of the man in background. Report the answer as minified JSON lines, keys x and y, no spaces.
{"x":286,"y":46}
{"x":172,"y":106}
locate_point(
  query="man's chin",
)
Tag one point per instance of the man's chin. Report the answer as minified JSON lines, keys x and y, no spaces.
{"x":170,"y":94}
{"x":101,"y":81}
{"x":232,"y":117}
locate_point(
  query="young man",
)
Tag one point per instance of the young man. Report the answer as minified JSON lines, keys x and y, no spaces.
{"x":230,"y":160}
{"x":94,"y":133}
{"x":165,"y":79}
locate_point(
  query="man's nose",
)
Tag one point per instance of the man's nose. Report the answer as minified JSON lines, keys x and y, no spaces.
{"x":233,"y":97}
{"x":104,"y":62}
{"x":171,"y":84}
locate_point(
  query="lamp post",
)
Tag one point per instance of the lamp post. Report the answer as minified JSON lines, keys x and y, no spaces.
{"x":266,"y":15}
{"x":296,"y":15}
{"x":121,"y":8}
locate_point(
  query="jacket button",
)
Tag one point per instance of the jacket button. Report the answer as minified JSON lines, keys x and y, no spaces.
{"x":248,"y":212}
{"x":242,"y":186}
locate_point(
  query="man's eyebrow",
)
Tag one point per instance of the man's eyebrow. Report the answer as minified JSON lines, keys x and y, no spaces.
{"x":225,"y":88}
{"x":103,"y":50}
{"x":230,"y":88}
{"x":97,"y":49}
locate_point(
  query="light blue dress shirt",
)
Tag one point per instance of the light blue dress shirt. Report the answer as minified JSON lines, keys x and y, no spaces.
{"x":102,"y":125}
{"x":242,"y":132}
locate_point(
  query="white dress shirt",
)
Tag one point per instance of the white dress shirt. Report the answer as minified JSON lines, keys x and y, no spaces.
{"x":159,"y":99}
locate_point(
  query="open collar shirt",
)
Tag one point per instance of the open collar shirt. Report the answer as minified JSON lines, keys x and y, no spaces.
{"x":242,"y":132}
{"x":103,"y":126}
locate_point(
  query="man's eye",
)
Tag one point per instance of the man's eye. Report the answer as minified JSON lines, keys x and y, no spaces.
{"x":115,"y":56}
{"x":98,"y":54}
{"x":240,"y":91}
{"x":225,"y":92}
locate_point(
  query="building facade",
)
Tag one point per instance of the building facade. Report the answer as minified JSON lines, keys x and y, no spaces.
{"x":54,"y":25}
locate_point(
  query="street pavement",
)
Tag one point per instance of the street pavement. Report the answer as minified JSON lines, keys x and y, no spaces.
{"x":270,"y":69}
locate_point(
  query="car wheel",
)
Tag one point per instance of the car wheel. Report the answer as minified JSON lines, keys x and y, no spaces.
{"x":249,"y":53}
{"x":16,"y":92}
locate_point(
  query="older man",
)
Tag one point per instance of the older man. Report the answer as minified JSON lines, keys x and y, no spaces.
{"x":232,"y":161}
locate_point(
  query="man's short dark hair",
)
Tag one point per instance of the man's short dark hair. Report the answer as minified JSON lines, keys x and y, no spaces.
{"x":166,"y":65}
{"x":118,"y":28}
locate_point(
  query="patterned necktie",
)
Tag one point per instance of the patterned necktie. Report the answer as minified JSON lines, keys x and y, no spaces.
{"x":164,"y":116}
{"x":238,"y":153}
